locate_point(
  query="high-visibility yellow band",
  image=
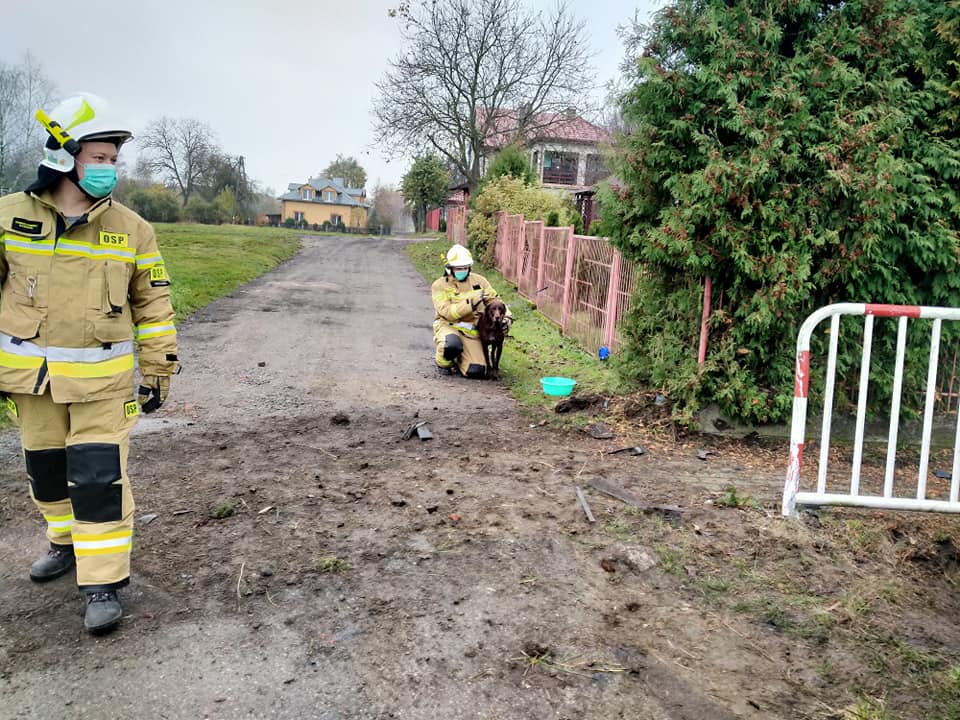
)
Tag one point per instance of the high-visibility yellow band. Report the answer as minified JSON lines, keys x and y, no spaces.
{"x":19,"y":362}
{"x":22,"y":248}
{"x":148,"y":260}
{"x":91,"y":537}
{"x":149,"y":330}
{"x":92,"y":370}
{"x":79,"y":248}
{"x":89,"y":552}
{"x":58,"y":518}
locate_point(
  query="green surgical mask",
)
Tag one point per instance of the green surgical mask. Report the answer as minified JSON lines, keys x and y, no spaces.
{"x":99,"y":179}
{"x":461,"y":275}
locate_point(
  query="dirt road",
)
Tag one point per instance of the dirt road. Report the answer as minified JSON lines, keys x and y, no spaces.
{"x":362,"y":576}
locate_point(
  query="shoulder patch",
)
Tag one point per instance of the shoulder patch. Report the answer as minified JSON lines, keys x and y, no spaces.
{"x":27,"y":227}
{"x":158,"y":275}
{"x":131,"y":409}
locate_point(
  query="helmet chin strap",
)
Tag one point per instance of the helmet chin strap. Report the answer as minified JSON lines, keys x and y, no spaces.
{"x":75,"y":179}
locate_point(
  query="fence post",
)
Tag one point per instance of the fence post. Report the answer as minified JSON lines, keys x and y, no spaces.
{"x":521,"y":241}
{"x":705,"y":319}
{"x":499,"y":218}
{"x":613,"y":291}
{"x":568,"y":279}
{"x":541,"y":258}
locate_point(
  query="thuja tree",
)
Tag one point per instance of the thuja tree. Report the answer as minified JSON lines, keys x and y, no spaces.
{"x":798,"y":152}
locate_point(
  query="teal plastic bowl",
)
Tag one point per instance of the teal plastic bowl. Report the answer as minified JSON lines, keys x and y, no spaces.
{"x":558,"y":386}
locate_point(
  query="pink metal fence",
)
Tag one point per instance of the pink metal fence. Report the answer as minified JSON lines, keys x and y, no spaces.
{"x":579,"y":282}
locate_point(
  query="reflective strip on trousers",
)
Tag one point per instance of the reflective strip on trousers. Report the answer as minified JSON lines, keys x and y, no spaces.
{"x":150,"y":330}
{"x":102,"y":544}
{"x":59,"y":524}
{"x":468,"y":328}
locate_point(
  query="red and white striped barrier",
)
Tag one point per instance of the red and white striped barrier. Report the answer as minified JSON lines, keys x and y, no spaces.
{"x":792,"y":495}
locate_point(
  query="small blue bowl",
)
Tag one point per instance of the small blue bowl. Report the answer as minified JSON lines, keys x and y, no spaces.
{"x":558,"y":386}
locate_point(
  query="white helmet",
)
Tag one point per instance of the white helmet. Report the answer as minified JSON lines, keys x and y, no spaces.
{"x":459,"y":256}
{"x":83,"y":116}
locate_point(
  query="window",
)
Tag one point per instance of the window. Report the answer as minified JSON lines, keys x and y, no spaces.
{"x":298,"y":216}
{"x":595,"y":170}
{"x":306,"y":193}
{"x":336,"y":220}
{"x":329,"y":196}
{"x":559,"y":168}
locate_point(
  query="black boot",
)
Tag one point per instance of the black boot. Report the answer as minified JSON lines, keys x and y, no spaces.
{"x":58,"y":561}
{"x":103,"y":611}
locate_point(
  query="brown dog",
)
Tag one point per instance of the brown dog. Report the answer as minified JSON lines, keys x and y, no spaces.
{"x":492,"y":327}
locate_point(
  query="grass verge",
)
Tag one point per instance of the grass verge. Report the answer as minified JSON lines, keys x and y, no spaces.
{"x":207,"y":262}
{"x":535,"y":348}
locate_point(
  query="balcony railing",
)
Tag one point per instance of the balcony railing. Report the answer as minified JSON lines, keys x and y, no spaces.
{"x":560,"y":176}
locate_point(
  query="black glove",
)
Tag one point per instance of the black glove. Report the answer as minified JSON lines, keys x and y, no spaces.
{"x":153,"y":391}
{"x":478,"y":300}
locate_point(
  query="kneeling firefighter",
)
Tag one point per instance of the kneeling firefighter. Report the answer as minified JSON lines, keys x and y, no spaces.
{"x":458,"y":300}
{"x":81,"y":280}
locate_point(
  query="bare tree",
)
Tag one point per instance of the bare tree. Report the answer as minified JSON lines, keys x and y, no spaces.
{"x":179,"y":151}
{"x":389,"y":207}
{"x":23,"y":89}
{"x":474,"y":69}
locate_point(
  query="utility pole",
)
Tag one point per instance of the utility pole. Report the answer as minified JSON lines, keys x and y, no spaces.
{"x":240,"y":186}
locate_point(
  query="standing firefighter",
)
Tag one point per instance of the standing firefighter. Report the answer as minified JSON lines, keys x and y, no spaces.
{"x":458,"y":300}
{"x":80,"y":279}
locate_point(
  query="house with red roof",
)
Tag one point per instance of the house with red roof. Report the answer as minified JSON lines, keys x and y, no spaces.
{"x":563,"y":148}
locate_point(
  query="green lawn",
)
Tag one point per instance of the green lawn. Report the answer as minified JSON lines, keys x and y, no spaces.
{"x":206,"y":262}
{"x":535,"y":348}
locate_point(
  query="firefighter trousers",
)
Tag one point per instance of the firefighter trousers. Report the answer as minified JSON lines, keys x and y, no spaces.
{"x":76,"y":458}
{"x":461,"y":346}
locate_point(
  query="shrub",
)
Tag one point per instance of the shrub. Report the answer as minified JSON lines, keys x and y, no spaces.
{"x":511,"y":195}
{"x":512,"y":161}
{"x":156,"y":204}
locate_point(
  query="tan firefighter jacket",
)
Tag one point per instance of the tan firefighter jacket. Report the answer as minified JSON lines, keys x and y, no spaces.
{"x":74,"y":299}
{"x":453,"y":300}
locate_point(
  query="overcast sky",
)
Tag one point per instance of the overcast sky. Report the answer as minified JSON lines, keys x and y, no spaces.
{"x":286,"y":84}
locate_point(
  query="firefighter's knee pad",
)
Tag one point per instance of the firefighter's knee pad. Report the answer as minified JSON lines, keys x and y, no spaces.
{"x":452,"y":346}
{"x":476,"y":372}
{"x":48,"y":473}
{"x":93,"y":475}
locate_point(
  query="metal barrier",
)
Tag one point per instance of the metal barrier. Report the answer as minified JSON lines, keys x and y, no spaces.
{"x":792,"y":496}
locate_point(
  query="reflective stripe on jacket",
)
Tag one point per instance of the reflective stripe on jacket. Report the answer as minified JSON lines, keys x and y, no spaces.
{"x":74,"y":299}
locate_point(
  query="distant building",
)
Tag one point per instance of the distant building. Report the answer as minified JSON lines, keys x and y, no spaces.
{"x":563,"y":149}
{"x":325,"y":200}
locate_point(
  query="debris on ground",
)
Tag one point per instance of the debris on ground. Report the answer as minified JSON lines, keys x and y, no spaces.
{"x":340,"y":418}
{"x":148,"y":518}
{"x":705,"y":453}
{"x":943,"y":474}
{"x":635,"y":450}
{"x":577,"y":403}
{"x":608,"y":488}
{"x":420,"y":429}
{"x":599,"y":431}
{"x":585,"y":506}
